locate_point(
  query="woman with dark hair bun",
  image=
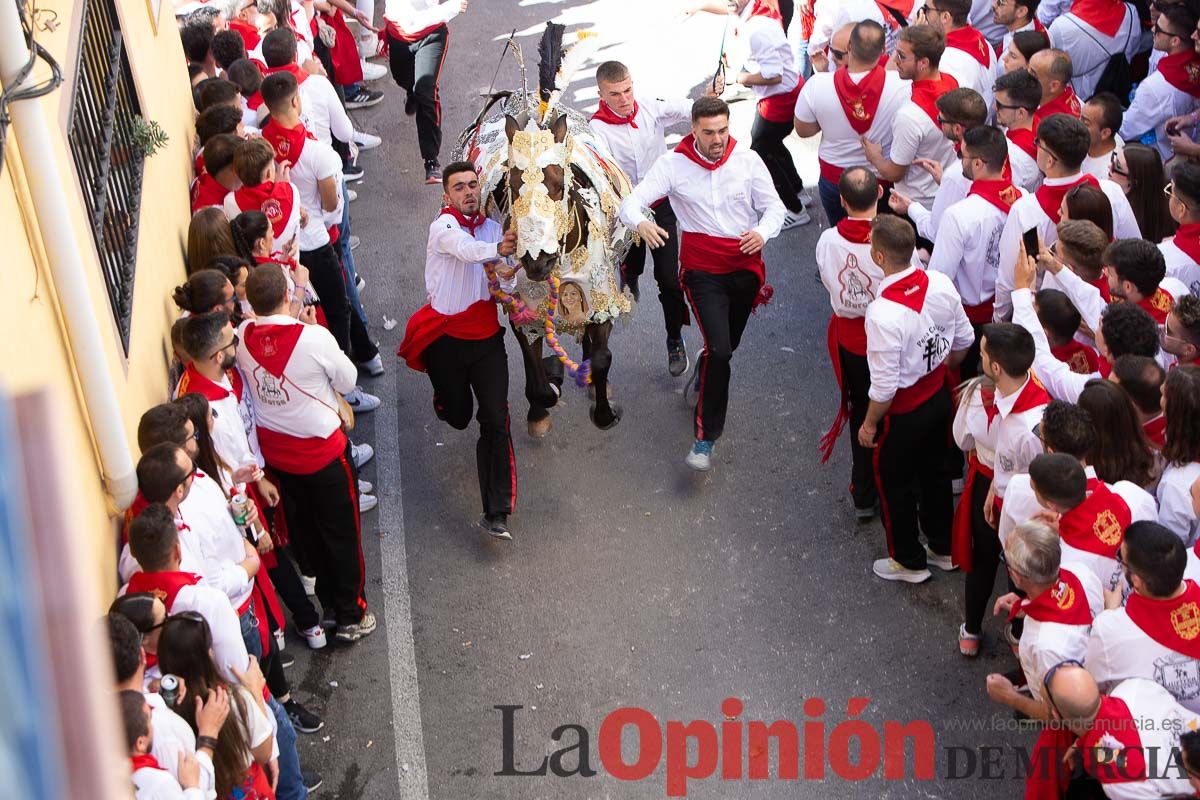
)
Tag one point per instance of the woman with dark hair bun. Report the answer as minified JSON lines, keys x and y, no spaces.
{"x":205,"y":290}
{"x":1121,"y":451}
{"x":1138,"y":170}
{"x":1181,"y":407}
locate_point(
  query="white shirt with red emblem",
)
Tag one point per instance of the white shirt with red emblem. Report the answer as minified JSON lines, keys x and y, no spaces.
{"x":635,"y":149}
{"x":840,"y":145}
{"x":1050,"y":641}
{"x":905,"y":345}
{"x":850,"y":276}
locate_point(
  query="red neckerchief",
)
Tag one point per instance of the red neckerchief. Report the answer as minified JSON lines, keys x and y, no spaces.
{"x":857,"y":231}
{"x":1156,"y":431}
{"x":1105,"y":16}
{"x":971,"y":42}
{"x":301,"y":75}
{"x":207,"y":191}
{"x":249,"y":33}
{"x":1064,"y":602}
{"x":1158,"y":305}
{"x":607,"y":115}
{"x":1066,"y":103}
{"x":1082,"y":359}
{"x":1187,"y":239}
{"x":272,"y":198}
{"x":193,"y":381}
{"x":687,"y":147}
{"x":760,"y":9}
{"x":1097,"y":525}
{"x":254,"y":101}
{"x":1000,"y":193}
{"x":288,"y":143}
{"x":1182,"y":70}
{"x":271,"y":345}
{"x":1050,"y":197}
{"x":163,"y":585}
{"x":860,"y":100}
{"x":1175,"y":624}
{"x":469,"y":223}
{"x":1120,"y":757}
{"x":1101,"y":285}
{"x":1031,"y":396}
{"x":925,"y":94}
{"x":909,"y":291}
{"x":145,"y":761}
{"x":902,"y":8}
{"x":1023,"y":138}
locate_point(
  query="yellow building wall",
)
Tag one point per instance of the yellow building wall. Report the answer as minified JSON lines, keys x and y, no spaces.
{"x":35,"y":348}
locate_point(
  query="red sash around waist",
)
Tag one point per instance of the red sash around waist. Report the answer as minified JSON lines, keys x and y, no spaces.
{"x":910,"y":398}
{"x":426,"y":326}
{"x":718,"y":254}
{"x":780,"y":107}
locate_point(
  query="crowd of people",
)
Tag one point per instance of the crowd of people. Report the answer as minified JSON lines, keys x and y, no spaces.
{"x":1013,"y":266}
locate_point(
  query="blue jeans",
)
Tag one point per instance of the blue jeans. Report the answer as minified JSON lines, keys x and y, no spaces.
{"x":831,"y":201}
{"x":250,"y":634}
{"x":348,"y":262}
{"x":291,"y":785}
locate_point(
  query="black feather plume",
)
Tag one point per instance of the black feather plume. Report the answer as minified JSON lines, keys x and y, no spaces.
{"x":550,"y":55}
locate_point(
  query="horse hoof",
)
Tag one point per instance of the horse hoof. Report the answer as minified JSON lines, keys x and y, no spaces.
{"x":591,"y":391}
{"x":539,"y":428}
{"x":615,"y":417}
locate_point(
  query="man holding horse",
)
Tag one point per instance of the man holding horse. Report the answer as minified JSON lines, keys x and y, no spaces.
{"x":457,"y":339}
{"x":727,"y":208}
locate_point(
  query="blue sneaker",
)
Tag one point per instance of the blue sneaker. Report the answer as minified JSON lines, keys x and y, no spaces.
{"x":700,"y":456}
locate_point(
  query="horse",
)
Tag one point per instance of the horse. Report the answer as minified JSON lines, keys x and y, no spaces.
{"x":543,"y":172}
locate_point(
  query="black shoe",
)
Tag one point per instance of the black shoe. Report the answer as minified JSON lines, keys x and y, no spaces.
{"x":286,"y":659}
{"x":866,"y":513}
{"x":691,"y":392}
{"x":353,"y":173}
{"x":496,"y":526}
{"x":312,"y":780}
{"x":677,"y":357}
{"x":364,"y":98}
{"x":433,"y":172}
{"x":410,"y":105}
{"x":302,"y":719}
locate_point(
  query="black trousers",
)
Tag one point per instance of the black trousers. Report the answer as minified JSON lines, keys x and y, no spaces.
{"x":457,"y":369}
{"x":910,"y":454}
{"x":666,"y":270}
{"x":766,"y":139}
{"x":327,"y":277}
{"x":416,"y":67}
{"x":856,"y":377}
{"x":721,"y":304}
{"x":787,"y":9}
{"x":985,"y":558}
{"x":323,"y":522}
{"x":291,"y":592}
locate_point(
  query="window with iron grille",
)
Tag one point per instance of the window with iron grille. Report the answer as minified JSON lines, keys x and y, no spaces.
{"x":107,"y":160}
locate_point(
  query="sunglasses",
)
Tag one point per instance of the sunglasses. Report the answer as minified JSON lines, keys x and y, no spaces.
{"x":1009,"y":106}
{"x":1158,"y":29}
{"x":944,"y":121}
{"x":233,"y":344}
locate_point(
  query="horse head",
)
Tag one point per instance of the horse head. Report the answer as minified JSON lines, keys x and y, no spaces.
{"x":538,"y":165}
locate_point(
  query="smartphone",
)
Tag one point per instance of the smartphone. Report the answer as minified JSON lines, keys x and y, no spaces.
{"x":1030,"y":237}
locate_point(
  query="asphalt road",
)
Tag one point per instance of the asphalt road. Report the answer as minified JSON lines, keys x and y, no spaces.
{"x":632,"y":582}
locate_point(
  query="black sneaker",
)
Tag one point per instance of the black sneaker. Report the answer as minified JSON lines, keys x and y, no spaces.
{"x":410,"y":104}
{"x":353,"y":173}
{"x":691,"y":392}
{"x":496,"y":526}
{"x":286,"y":659}
{"x":364,"y":98}
{"x":677,"y":357}
{"x":312,"y":780}
{"x":302,"y":719}
{"x":433,"y":172}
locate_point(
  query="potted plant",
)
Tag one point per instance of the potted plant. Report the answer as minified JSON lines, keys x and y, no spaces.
{"x":147,"y":136}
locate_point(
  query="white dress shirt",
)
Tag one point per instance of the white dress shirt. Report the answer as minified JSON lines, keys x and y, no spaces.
{"x":233,"y":433}
{"x":322,"y":112}
{"x":1006,"y":40}
{"x":1016,"y":444}
{"x":454,"y":274}
{"x":1027,"y":213}
{"x":971,"y":429}
{"x":914,"y":135}
{"x":172,"y":736}
{"x":953,"y":188}
{"x":1119,"y":650}
{"x":1025,"y":172}
{"x":206,"y":512}
{"x":1058,"y":378}
{"x":636,"y":149}
{"x":1180,"y":266}
{"x":967,"y":248}
{"x":848,"y":273}
{"x":413,"y":16}
{"x":770,"y":54}
{"x":1155,"y":102}
{"x":969,"y":73}
{"x":1090,"y":49}
{"x":1045,"y":643}
{"x":736,"y":197}
{"x":318,"y":161}
{"x":899,"y":338}
{"x":840,"y":145}
{"x":1175,"y":510}
{"x":158,"y":784}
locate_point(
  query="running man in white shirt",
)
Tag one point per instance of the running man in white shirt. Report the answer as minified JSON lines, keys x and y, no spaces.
{"x":727,"y":208}
{"x":916,"y":329}
{"x":634,"y":132}
{"x":457,"y":340}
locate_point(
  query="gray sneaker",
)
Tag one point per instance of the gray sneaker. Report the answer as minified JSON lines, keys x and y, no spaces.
{"x":677,"y":357}
{"x":352,"y":633}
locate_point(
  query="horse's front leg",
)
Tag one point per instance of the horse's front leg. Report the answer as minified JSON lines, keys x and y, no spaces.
{"x":538,"y":392}
{"x":604,"y":413}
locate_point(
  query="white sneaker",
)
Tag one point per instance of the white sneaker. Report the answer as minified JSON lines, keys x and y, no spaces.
{"x":374,"y":367}
{"x":805,"y":197}
{"x":891,"y":570}
{"x":354,"y":242}
{"x":280,"y":642}
{"x":794,"y":220}
{"x":373,"y":72}
{"x":364,"y":140}
{"x":361,"y":453}
{"x":365,"y":487}
{"x":944,"y":563}
{"x":310,"y":585}
{"x":362,"y":402}
{"x":351,"y":195}
{"x":369,"y":45}
{"x":315,"y":636}
{"x":366,"y":502}
{"x":699,"y":457}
